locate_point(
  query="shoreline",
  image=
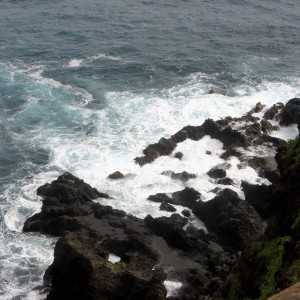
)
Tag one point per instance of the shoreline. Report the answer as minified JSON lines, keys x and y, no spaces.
{"x":204,"y":260}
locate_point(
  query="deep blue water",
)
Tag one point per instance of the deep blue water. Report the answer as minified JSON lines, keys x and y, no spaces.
{"x":81,"y":71}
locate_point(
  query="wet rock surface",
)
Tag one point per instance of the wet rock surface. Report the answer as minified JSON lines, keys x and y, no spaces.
{"x":264,"y":227}
{"x":183,"y":176}
{"x":116,"y":175}
{"x":275,"y":254}
{"x":148,"y":248}
{"x":236,"y":134}
{"x":187,"y":197}
{"x":233,"y":220}
{"x":291,"y":112}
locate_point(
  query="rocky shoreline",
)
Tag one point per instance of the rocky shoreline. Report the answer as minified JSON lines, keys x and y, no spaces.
{"x":249,"y":251}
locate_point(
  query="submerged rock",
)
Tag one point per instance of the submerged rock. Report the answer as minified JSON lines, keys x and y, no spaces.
{"x":183,"y":176}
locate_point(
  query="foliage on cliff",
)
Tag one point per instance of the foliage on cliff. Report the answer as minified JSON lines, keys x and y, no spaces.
{"x":272,"y":263}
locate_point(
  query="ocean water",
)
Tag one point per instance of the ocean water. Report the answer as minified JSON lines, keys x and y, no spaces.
{"x":85,"y":86}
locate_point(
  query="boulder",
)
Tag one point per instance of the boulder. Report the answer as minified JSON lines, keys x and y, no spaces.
{"x":258,"y":108}
{"x":183,"y":176}
{"x":68,"y":189}
{"x":163,"y":147}
{"x":186,"y":213}
{"x":255,"y":195}
{"x":187,"y":197}
{"x":81,"y":271}
{"x":116,"y":175}
{"x":267,"y":127}
{"x":253,"y":129}
{"x":167,"y":207}
{"x":171,"y":229}
{"x":216,"y":173}
{"x":265,"y":166}
{"x":233,"y":220}
{"x":160,"y":197}
{"x":273,"y":112}
{"x":178,"y":155}
{"x":291,"y":112}
{"x":225,"y":181}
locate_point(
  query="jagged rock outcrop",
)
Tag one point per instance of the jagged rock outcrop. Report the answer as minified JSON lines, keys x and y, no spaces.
{"x":88,"y":233}
{"x":81,"y":271}
{"x":201,"y":260}
{"x":188,"y":197}
{"x":233,"y":220}
{"x":291,"y":112}
{"x":183,"y":176}
{"x":275,"y":254}
{"x":232,"y":132}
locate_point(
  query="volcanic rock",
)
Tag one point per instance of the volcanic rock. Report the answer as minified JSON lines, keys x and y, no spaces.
{"x":178,"y":155}
{"x":216,"y":173}
{"x":225,"y":181}
{"x":116,"y":175}
{"x":291,"y":112}
{"x":187,"y":197}
{"x":167,"y":207}
{"x":183,"y":176}
{"x":267,"y":127}
{"x":81,"y":271}
{"x":163,"y":147}
{"x":258,"y":108}
{"x":274,"y":111}
{"x":233,"y":220}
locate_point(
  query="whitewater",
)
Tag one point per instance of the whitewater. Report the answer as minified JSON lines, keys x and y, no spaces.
{"x":88,"y":99}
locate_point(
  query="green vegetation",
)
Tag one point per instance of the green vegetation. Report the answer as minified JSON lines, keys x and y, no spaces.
{"x":272,"y":251}
{"x":117,"y":266}
{"x":235,"y":287}
{"x":293,"y":272}
{"x":293,"y":152}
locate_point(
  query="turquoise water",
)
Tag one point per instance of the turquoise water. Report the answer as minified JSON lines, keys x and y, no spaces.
{"x":85,"y":85}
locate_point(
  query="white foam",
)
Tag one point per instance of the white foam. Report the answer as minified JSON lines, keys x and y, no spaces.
{"x":114,"y":258}
{"x":46,"y":88}
{"x":132,"y":121}
{"x":24,"y":259}
{"x":172,"y":287}
{"x":128,"y":123}
{"x":105,"y":56}
{"x":73,"y":63}
{"x":36,"y":295}
{"x":285,"y":132}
